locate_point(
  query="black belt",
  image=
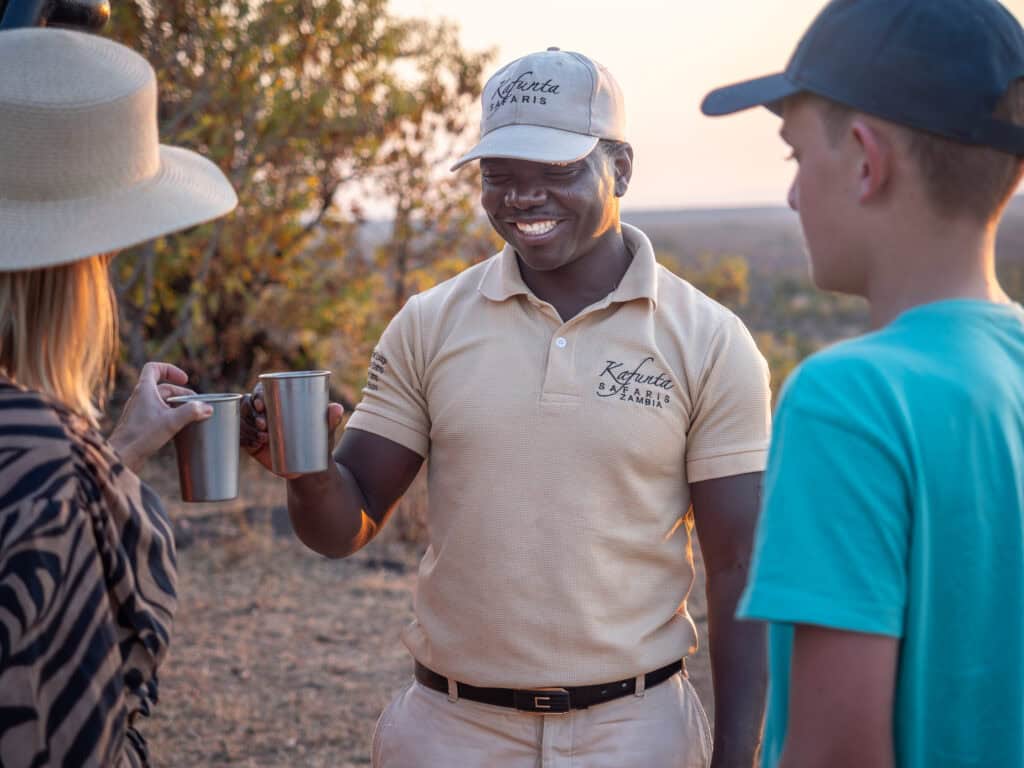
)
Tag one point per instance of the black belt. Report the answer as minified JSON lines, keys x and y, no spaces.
{"x":547,"y":701}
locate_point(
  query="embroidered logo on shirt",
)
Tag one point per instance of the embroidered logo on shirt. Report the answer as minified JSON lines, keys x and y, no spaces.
{"x":377,"y":365}
{"x":641,"y":384}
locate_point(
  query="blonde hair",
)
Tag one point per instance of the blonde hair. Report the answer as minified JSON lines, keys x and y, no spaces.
{"x":58,"y":332}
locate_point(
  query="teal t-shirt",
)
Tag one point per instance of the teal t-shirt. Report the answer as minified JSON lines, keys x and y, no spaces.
{"x":894,"y":505}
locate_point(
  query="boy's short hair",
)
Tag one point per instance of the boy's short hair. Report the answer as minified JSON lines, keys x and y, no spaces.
{"x":960,"y":179}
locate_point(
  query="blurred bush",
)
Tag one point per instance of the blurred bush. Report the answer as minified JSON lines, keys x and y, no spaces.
{"x":308,"y":106}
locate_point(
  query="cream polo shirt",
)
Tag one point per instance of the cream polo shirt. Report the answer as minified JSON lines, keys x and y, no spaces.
{"x":559,"y":456}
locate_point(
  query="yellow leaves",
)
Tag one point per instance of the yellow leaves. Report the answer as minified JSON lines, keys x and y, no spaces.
{"x":725,"y":278}
{"x":783,"y":353}
{"x":232,"y":283}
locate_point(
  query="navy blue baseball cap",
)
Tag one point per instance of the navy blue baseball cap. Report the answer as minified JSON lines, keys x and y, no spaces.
{"x":939,"y":66}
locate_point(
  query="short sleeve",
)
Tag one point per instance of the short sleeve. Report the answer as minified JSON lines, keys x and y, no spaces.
{"x":832,"y":541}
{"x":394,"y":404}
{"x":731,"y":421}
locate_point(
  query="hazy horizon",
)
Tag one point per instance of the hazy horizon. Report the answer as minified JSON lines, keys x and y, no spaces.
{"x":627,"y":210}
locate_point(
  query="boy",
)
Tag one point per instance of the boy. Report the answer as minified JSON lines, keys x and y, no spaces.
{"x":890,"y":552}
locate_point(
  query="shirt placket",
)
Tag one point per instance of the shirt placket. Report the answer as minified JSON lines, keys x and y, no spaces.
{"x":561,"y":377}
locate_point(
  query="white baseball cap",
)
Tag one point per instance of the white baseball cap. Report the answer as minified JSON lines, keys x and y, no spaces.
{"x":548,"y":107}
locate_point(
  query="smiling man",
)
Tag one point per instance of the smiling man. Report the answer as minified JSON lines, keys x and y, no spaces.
{"x":572,"y":399}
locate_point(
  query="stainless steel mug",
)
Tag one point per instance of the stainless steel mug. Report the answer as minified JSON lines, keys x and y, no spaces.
{"x":297,"y":420}
{"x":208,"y":450}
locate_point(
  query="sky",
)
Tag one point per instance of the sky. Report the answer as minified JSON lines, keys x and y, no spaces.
{"x":666,"y":55}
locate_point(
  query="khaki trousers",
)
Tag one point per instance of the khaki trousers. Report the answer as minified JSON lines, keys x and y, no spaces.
{"x":664,"y":727}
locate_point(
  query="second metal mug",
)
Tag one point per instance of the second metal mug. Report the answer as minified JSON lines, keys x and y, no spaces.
{"x":297,"y":420}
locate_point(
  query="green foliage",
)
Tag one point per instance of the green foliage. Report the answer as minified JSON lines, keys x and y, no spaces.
{"x":306,"y":105}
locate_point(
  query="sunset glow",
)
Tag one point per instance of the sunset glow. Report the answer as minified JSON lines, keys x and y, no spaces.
{"x":666,"y":56}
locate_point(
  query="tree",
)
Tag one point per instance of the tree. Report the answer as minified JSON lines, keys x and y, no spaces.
{"x":308,"y":106}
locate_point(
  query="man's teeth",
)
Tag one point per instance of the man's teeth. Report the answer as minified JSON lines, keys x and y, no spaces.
{"x":535,"y":227}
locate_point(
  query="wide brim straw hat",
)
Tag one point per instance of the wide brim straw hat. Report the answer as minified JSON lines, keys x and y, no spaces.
{"x":82,"y":171}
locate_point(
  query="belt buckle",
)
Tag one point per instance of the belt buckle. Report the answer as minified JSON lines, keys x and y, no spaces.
{"x":544,"y":701}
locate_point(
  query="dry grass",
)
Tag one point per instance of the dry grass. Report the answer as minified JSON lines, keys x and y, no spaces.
{"x":279,"y":656}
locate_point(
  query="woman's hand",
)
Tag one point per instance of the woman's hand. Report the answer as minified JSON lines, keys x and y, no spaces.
{"x":147,"y":421}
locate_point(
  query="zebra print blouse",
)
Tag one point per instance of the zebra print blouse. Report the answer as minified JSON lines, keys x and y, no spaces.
{"x":87,"y":591}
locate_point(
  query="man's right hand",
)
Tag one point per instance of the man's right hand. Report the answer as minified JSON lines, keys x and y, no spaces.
{"x":339,"y":511}
{"x":253,"y":434}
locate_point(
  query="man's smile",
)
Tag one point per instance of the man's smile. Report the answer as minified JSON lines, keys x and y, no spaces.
{"x":535,"y":231}
{"x":536,"y":227}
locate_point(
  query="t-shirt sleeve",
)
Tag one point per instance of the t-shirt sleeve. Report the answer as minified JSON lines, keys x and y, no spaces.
{"x":394,"y":405}
{"x":832,"y":541}
{"x":731,"y":421}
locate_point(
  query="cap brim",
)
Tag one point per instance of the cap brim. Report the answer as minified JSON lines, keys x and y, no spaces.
{"x":531,"y":142}
{"x":768,"y":92}
{"x":187,"y":190}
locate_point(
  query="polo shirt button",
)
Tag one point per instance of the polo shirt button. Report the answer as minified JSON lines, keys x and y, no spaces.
{"x":560,"y":342}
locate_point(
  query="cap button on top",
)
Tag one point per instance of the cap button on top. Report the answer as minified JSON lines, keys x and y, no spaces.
{"x":554,"y":48}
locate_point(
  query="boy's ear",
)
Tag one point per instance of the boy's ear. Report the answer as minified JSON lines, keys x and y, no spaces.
{"x":875,"y":159}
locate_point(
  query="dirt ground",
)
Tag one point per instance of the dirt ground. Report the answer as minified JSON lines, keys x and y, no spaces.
{"x":279,"y":656}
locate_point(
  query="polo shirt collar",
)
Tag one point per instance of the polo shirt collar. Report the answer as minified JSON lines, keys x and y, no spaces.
{"x":502,"y":279}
